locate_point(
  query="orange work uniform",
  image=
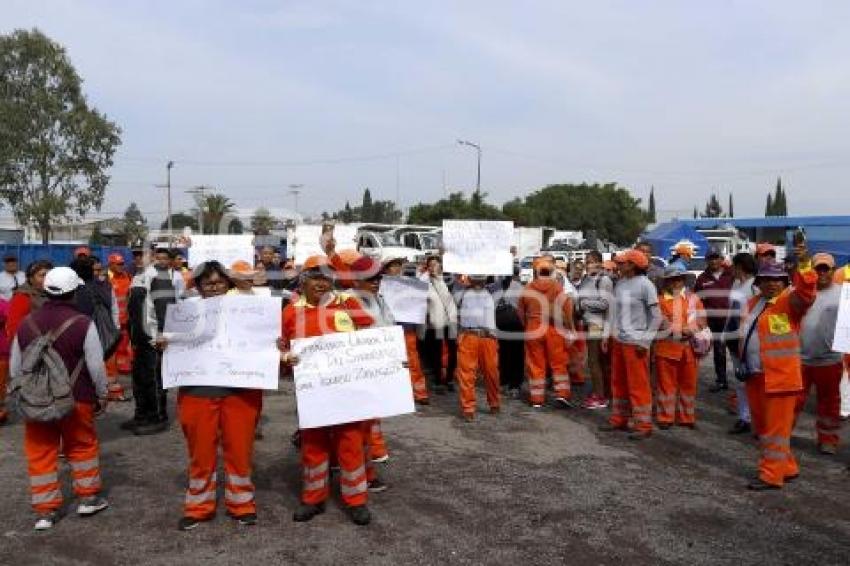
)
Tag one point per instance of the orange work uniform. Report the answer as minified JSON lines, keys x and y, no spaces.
{"x":546,"y":312}
{"x":119,"y":362}
{"x":675,"y":361}
{"x":339,"y":313}
{"x":773,"y":391}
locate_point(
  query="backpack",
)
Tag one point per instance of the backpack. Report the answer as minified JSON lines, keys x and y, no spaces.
{"x":101,"y":315}
{"x":44,"y":391}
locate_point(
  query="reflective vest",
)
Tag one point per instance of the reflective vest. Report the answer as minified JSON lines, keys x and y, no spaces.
{"x":121,"y":285}
{"x":681,"y":311}
{"x":779,"y":333}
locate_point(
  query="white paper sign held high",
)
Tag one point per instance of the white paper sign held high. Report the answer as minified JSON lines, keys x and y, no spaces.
{"x":478,"y":247}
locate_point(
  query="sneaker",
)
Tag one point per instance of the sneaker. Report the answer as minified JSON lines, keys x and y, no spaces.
{"x":91,"y":506}
{"x":759,"y":485}
{"x":131,"y":424}
{"x":422,"y":401}
{"x":306,"y":512}
{"x":359,"y":515}
{"x":377,"y":486}
{"x":248,"y":520}
{"x":564,"y":403}
{"x":536,"y":406}
{"x":188,"y":523}
{"x":381,"y":459}
{"x":601,"y":403}
{"x":828,"y":449}
{"x":46,"y":522}
{"x":664,"y":426}
{"x":639,"y":435}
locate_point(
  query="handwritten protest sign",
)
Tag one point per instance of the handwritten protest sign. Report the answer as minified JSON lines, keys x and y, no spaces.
{"x":478,"y":247}
{"x":841,"y":341}
{"x":225,"y":248}
{"x":227,"y":341}
{"x":352,"y":376}
{"x":308,"y":240}
{"x":407,"y":298}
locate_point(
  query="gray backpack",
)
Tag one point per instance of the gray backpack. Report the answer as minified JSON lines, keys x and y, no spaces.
{"x":44,"y":391}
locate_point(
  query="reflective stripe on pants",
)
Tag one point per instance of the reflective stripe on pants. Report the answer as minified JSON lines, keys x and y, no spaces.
{"x":630,"y":387}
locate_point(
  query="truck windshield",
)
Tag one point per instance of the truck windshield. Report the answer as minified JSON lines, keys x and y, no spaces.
{"x":387,"y":239}
{"x":430,"y":241}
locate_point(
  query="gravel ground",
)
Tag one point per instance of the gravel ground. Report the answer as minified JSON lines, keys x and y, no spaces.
{"x":538,"y":487}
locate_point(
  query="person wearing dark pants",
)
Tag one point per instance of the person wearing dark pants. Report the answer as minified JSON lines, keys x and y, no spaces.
{"x":506,"y":291}
{"x":713,"y":287}
{"x":440,"y":328}
{"x":431,"y":354}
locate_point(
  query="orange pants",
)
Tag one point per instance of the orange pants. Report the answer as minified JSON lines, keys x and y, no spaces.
{"x":550,"y":350}
{"x":377,"y":444}
{"x":827,"y":381}
{"x":631,"y":395}
{"x":677,"y":388}
{"x":119,"y":363}
{"x":348,"y":445}
{"x":4,"y":380}
{"x":77,"y":436}
{"x":773,"y":418}
{"x":474,"y":352}
{"x":417,"y":377}
{"x":227,"y":421}
{"x":577,"y":354}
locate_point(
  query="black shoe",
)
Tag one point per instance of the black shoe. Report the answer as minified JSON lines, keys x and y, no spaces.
{"x":377,"y":486}
{"x":450,"y":387}
{"x":150,"y":428}
{"x":740,"y":427}
{"x":188,"y":523}
{"x":759,"y":485}
{"x":131,"y":424}
{"x":359,"y":515}
{"x":664,"y":426}
{"x":296,"y":439}
{"x":249,"y":520}
{"x":791,"y":479}
{"x":306,"y":512}
{"x":717,"y":387}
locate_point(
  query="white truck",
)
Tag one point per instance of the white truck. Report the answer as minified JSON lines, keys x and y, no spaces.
{"x":384,"y":246}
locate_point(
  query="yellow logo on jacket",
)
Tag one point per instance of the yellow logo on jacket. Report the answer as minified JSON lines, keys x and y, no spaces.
{"x":779,"y":323}
{"x":343,"y":322}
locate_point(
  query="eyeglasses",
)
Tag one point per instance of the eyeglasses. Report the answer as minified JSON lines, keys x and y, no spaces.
{"x":823,"y":268}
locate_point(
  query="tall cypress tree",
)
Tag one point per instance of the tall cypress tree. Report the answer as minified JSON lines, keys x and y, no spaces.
{"x":696,"y":213}
{"x":650,"y":213}
{"x":768,"y":208}
{"x":731,"y":210}
{"x":366,"y":207}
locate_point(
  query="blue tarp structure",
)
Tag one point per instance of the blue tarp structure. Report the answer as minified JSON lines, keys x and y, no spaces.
{"x":59,"y":254}
{"x":664,"y":236}
{"x":840,"y":249}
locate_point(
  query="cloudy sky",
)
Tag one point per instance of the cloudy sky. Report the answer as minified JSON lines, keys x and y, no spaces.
{"x":252,"y":96}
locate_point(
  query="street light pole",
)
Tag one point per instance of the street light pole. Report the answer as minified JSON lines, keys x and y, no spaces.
{"x":167,"y":187}
{"x":295,"y":189}
{"x":477,"y":149}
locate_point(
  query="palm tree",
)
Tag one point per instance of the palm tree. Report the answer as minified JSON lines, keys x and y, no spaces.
{"x":216,"y":208}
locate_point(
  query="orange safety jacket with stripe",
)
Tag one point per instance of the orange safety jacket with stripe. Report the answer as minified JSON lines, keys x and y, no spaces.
{"x":779,"y":332}
{"x":121,"y":283}
{"x":681,"y":311}
{"x":339,"y":312}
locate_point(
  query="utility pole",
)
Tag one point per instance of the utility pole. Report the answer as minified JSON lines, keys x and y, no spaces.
{"x":478,"y":178}
{"x":398,"y":181}
{"x":167,"y":187}
{"x":295,"y":190}
{"x":199,"y":191}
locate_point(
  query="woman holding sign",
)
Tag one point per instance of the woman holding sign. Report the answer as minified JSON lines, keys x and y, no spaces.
{"x":213,"y":417}
{"x":318,"y":311}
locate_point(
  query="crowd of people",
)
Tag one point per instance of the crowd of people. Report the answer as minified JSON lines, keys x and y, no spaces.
{"x":621,"y":335}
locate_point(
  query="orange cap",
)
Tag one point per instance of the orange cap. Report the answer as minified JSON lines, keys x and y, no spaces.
{"x":683,"y":250}
{"x":348,"y":257}
{"x":542,"y":263}
{"x":639,"y":259}
{"x":823,"y":259}
{"x":316,"y":262}
{"x":116,"y":258}
{"x":242,"y":267}
{"x":82,"y":250}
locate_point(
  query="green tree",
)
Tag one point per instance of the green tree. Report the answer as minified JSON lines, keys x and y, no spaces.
{"x":768,"y":207}
{"x":262,"y":222}
{"x":55,"y":149}
{"x":455,"y":207}
{"x":134,"y":227}
{"x":347,"y":215}
{"x":609,"y":209}
{"x":97,"y":238}
{"x":777,"y":205}
{"x":731,"y":209}
{"x":217,"y":210}
{"x":180,"y":220}
{"x":712,"y":208}
{"x":650,"y":213}
{"x":696,"y":212}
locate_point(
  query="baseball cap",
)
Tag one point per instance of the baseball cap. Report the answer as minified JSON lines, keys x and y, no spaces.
{"x":684,"y":250}
{"x":242,"y":267}
{"x":765,"y":248}
{"x":316,"y":263}
{"x":82,"y":250}
{"x":639,"y":259}
{"x":116,"y":258}
{"x":823,"y":259}
{"x":61,"y":280}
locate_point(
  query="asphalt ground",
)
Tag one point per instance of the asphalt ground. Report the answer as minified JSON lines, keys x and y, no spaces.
{"x":527,"y":486}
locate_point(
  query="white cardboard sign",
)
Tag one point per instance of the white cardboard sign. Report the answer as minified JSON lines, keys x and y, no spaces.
{"x":407,"y":298}
{"x":224,"y":248}
{"x":307,"y":240}
{"x":478,"y":247}
{"x":352,"y":376}
{"x":841,"y":340}
{"x":228,"y":341}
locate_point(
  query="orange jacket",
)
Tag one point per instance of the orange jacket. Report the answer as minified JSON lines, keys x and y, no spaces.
{"x":779,"y":332}
{"x":543,"y":301}
{"x":842,"y":275}
{"x":121,"y":283}
{"x":680,"y":312}
{"x":343,"y":313}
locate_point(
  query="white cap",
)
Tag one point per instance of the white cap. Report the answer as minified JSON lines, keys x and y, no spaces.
{"x":61,"y":280}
